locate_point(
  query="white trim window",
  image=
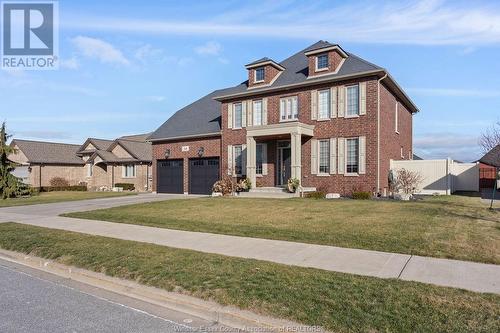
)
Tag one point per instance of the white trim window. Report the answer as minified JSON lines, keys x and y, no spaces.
{"x":260,"y":74}
{"x":322,"y":62}
{"x":352,"y":155}
{"x":324,"y":104}
{"x":324,"y":156}
{"x":259,"y":159}
{"x":238,"y":160}
{"x":90,"y":170}
{"x":289,"y":109}
{"x":128,"y":171}
{"x":238,"y":115}
{"x":352,"y":97}
{"x":257,"y":112}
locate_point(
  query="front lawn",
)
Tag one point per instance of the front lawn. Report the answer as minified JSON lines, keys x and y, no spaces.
{"x":51,"y":197}
{"x":447,"y":227}
{"x":339,"y":302}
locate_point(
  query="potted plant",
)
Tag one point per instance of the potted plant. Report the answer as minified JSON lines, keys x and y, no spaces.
{"x":293,"y":184}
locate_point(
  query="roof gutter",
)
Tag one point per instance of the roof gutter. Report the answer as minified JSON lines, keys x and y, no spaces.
{"x":194,"y":136}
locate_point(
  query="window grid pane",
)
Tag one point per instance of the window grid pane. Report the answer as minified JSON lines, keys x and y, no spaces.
{"x":238,"y":161}
{"x":323,"y":61}
{"x":352,"y":155}
{"x":259,"y":74}
{"x":289,"y":109}
{"x":257,"y":112}
{"x":324,"y":156}
{"x":237,"y":115}
{"x":324,"y":104}
{"x":259,"y":159}
{"x":352,"y":100}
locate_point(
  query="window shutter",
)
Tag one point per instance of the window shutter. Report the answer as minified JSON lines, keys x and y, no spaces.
{"x":243,"y":114}
{"x":314,"y":156}
{"x":243,"y":159}
{"x":250,"y":113}
{"x":333,"y":156}
{"x":230,"y":160}
{"x":230,"y":115}
{"x":264,"y":159}
{"x":341,"y":101}
{"x":314,"y":104}
{"x":333,"y":102}
{"x":362,"y":98}
{"x":264,"y":111}
{"x":341,"y":156}
{"x":362,"y":155}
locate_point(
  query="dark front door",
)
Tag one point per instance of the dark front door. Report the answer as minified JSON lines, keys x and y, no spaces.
{"x":203,"y":173}
{"x":170,"y":175}
{"x":284,"y":162}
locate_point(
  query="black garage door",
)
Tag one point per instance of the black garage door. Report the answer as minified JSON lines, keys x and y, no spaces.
{"x":203,"y":173}
{"x":170,"y":176}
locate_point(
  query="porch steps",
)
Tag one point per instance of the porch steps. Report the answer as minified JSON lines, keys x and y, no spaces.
{"x":271,"y":192}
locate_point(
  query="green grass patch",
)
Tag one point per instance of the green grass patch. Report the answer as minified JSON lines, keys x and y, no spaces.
{"x":455,"y":227}
{"x":59,"y":196}
{"x":339,"y":302}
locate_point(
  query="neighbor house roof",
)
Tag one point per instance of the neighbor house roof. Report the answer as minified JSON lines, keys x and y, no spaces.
{"x":202,"y":118}
{"x":39,"y":152}
{"x":99,"y":144}
{"x":136,"y":145}
{"x":140,"y":150}
{"x":492,"y":157}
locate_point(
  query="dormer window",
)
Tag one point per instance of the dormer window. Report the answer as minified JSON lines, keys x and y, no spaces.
{"x":259,"y":74}
{"x":322,"y":62}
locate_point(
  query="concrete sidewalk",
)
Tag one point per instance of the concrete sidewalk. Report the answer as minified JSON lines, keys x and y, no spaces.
{"x":452,"y":273}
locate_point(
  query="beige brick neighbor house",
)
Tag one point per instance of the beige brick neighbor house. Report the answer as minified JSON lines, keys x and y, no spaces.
{"x":324,"y":116}
{"x":99,"y":164}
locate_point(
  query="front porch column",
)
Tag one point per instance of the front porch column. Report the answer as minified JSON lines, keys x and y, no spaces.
{"x":251,"y":159}
{"x":296,"y":149}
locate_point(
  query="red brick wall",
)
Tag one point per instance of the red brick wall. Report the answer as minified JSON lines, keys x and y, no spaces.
{"x":334,"y":60}
{"x":365,"y":125}
{"x":390,"y":141}
{"x":211,"y":146}
{"x":270,"y":73}
{"x":487,"y":176}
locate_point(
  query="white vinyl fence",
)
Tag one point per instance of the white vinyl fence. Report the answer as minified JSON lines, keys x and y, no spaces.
{"x":442,"y":176}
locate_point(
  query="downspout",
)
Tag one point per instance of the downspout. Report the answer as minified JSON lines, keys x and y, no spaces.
{"x":378,"y":130}
{"x":112,"y":175}
{"x":40,"y":178}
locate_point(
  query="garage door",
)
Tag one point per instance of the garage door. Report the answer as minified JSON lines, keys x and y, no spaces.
{"x":170,"y":176}
{"x":203,"y":173}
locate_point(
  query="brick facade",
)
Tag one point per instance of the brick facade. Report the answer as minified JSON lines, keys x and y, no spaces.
{"x":364,"y":125}
{"x":211,"y":146}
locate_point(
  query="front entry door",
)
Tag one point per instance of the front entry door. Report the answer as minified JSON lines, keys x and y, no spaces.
{"x":284,"y":162}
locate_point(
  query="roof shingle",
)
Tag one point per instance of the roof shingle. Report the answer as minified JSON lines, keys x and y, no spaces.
{"x":39,"y":152}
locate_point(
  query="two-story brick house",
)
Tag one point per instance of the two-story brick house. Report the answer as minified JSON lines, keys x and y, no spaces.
{"x":323,"y":116}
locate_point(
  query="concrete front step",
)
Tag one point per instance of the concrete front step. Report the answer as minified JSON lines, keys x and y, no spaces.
{"x":268,"y":190}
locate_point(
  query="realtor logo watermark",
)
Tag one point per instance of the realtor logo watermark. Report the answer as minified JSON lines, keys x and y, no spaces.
{"x":30,"y":36}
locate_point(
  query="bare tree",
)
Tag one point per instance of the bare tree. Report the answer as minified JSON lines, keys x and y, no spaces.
{"x":490,"y":138}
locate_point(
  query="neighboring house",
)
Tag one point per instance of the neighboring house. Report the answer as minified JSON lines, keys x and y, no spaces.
{"x":98,"y":163}
{"x":324,"y":116}
{"x":39,"y":162}
{"x":487,"y":168}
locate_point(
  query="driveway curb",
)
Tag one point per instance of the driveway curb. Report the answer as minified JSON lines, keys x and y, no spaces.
{"x":224,"y":315}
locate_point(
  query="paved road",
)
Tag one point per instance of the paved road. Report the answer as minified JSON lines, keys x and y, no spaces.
{"x":35,"y":301}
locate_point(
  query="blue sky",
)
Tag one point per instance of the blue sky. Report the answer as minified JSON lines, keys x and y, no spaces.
{"x":127,"y":66}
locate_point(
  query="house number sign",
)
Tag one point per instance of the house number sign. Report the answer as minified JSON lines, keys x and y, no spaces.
{"x":185,"y":148}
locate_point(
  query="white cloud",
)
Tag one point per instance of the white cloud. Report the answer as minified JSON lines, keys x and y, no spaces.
{"x":442,"y":145}
{"x":422,"y":22}
{"x":71,"y":63}
{"x":147,"y":52}
{"x":155,"y":98}
{"x":209,"y":48}
{"x":450,"y":92}
{"x":99,"y":49}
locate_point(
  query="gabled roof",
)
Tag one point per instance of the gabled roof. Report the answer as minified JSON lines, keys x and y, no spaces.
{"x":492,"y":157}
{"x":264,"y":61}
{"x":142,"y":151}
{"x":202,"y":117}
{"x":39,"y":152}
{"x":324,"y":46}
{"x":99,"y":144}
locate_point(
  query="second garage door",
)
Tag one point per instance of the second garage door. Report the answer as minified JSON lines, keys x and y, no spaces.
{"x":203,"y":173}
{"x":170,"y":176}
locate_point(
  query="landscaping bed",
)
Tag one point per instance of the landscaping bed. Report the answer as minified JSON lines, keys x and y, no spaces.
{"x":337,"y":301}
{"x":59,"y":196}
{"x":455,"y":227}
